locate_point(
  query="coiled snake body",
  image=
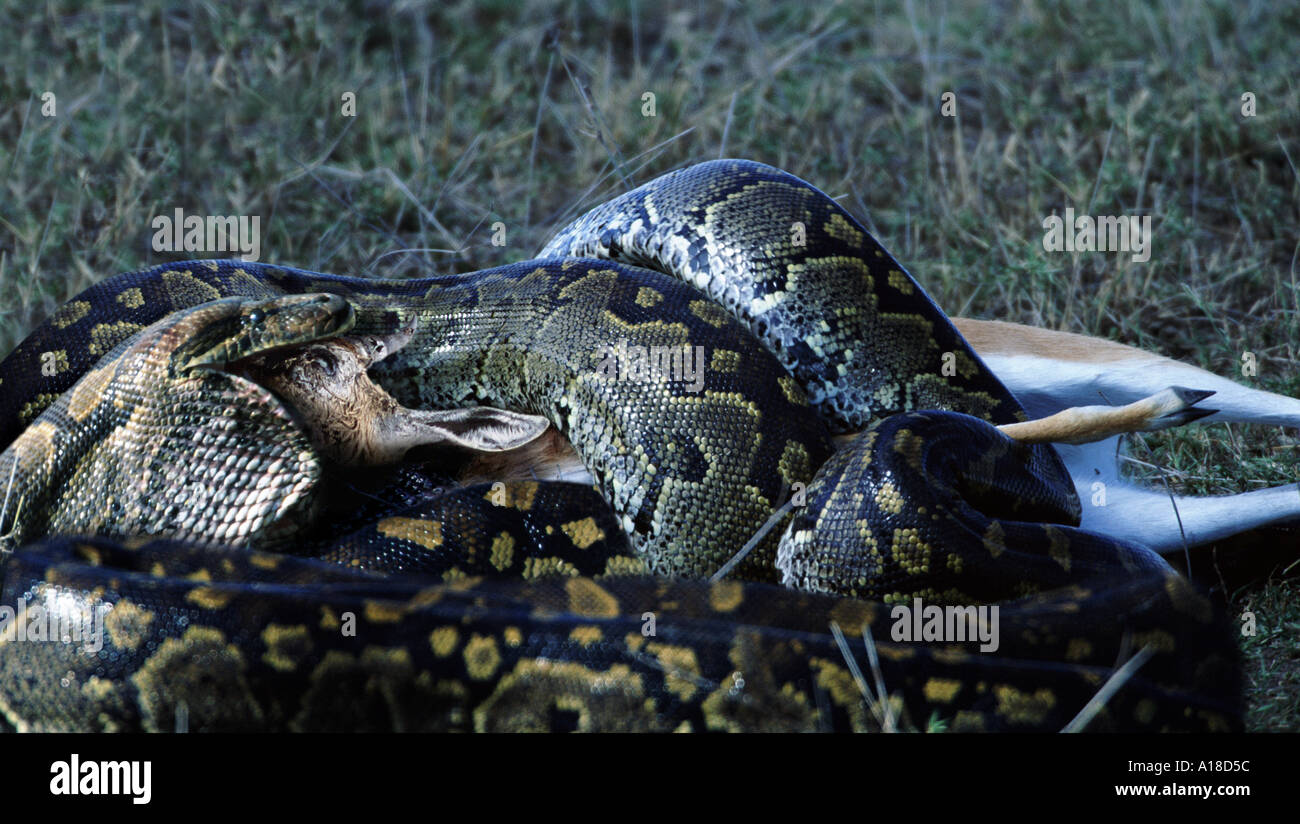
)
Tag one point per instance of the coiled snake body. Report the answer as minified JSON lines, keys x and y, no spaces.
{"x":804,"y":326}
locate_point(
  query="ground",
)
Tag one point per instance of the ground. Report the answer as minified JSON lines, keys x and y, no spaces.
{"x":523,"y":113}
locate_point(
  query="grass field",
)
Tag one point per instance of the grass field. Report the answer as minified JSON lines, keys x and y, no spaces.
{"x":524,"y":113}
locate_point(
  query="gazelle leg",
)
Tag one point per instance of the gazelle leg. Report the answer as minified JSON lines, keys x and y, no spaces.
{"x":1129,"y":512}
{"x":1051,"y":371}
{"x":1167,"y":408}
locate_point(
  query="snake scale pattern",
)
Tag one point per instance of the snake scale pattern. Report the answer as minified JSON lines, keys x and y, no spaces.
{"x":245,"y":583}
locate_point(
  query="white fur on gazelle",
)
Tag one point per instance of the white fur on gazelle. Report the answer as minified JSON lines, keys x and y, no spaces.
{"x":1050,"y":371}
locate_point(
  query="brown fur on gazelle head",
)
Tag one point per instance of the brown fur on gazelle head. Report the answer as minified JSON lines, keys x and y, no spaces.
{"x":354,"y":422}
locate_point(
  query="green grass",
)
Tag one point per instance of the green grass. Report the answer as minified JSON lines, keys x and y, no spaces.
{"x":1272,"y":660}
{"x":526,"y":112}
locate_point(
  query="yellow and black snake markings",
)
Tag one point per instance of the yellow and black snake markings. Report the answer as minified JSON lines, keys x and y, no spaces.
{"x":720,"y":449}
{"x":512,"y":530}
{"x":562,"y":654}
{"x":145,"y":443}
{"x":399,"y":602}
{"x":862,"y":338}
{"x":860,"y":536}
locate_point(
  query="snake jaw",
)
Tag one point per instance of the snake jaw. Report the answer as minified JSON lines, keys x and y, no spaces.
{"x":245,"y":328}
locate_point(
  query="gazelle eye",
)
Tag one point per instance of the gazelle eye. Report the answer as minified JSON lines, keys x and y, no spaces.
{"x":324,"y":362}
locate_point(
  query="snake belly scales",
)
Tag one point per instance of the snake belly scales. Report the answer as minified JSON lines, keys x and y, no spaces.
{"x":185,"y":506}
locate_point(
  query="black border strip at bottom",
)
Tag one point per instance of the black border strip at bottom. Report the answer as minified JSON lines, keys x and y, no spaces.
{"x":303,"y":773}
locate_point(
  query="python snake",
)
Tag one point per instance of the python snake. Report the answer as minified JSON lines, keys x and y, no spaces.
{"x":296,"y":597}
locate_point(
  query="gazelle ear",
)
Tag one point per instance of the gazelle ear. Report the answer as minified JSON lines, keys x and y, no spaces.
{"x":479,"y":428}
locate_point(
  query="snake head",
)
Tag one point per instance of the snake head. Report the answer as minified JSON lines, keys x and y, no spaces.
{"x":228,"y":330}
